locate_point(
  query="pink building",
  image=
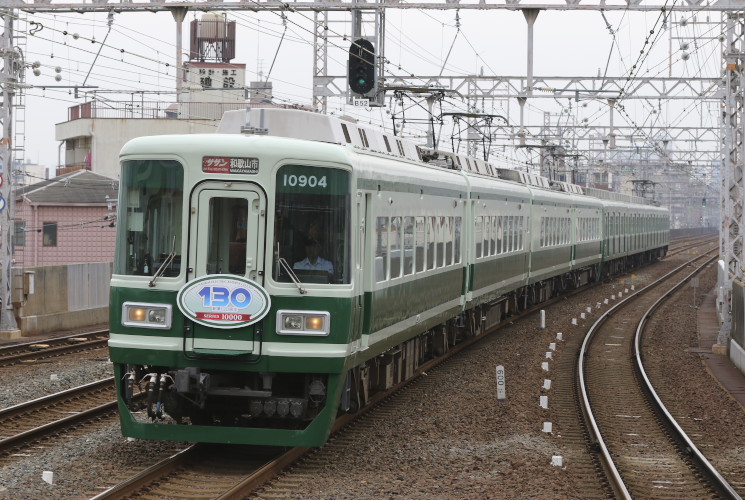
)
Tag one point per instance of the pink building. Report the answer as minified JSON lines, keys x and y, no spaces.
{"x":65,"y":220}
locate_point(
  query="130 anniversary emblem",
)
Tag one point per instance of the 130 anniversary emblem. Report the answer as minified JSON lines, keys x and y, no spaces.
{"x":223,"y":301}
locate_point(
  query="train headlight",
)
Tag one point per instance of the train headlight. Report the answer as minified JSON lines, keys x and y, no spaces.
{"x":303,"y":323}
{"x":146,"y":315}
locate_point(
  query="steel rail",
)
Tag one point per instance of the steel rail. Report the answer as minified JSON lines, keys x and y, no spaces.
{"x":53,"y":339}
{"x":610,"y":467}
{"x":714,"y":476}
{"x":57,"y":424}
{"x":68,"y":421}
{"x":271,"y":469}
{"x":147,"y":476}
{"x":44,"y":400}
{"x":9,"y":359}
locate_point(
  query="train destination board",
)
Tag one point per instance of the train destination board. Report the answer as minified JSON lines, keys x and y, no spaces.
{"x":227,"y":165}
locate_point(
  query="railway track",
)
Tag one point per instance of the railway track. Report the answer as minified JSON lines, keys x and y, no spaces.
{"x":688,"y":244}
{"x":182,"y":474}
{"x":42,"y":418}
{"x":186,"y":473}
{"x":201,"y":471}
{"x":53,"y":347}
{"x":642,"y":449}
{"x":191,"y":473}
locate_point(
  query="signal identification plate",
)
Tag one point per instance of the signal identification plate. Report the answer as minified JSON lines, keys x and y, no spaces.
{"x":227,"y":165}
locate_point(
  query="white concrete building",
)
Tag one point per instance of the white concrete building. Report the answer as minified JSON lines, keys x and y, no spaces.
{"x":95,"y":132}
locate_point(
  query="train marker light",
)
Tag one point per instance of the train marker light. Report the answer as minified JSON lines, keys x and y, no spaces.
{"x":314,"y":323}
{"x":137,"y":314}
{"x":146,"y":315}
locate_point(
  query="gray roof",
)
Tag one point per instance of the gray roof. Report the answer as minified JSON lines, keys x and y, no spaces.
{"x":81,"y":186}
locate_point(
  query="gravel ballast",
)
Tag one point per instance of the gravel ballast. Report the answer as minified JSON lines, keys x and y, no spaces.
{"x":447,"y":436}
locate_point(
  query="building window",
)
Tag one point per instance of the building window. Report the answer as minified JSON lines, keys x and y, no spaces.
{"x":50,"y":234}
{"x":19,"y":237}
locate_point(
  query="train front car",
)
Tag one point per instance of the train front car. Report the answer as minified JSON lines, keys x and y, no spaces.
{"x":232,"y":315}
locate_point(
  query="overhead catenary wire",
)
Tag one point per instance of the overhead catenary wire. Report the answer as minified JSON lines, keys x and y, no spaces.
{"x":533,"y":108}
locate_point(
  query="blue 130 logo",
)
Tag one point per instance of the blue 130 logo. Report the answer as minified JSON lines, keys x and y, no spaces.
{"x":219,"y":296}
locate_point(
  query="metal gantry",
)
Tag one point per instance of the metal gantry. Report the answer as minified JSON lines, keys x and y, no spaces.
{"x":83,"y":6}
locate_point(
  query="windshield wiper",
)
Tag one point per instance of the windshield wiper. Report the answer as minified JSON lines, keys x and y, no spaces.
{"x":294,"y":277}
{"x":162,"y":269}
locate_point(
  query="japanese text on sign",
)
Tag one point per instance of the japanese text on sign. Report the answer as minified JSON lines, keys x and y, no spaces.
{"x":225,"y":165}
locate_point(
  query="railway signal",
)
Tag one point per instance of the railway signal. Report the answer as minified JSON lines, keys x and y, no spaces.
{"x":361,"y":67}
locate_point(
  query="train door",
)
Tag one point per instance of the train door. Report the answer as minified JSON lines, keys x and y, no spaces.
{"x":359,"y":276}
{"x":226,"y":238}
{"x":368,"y":264}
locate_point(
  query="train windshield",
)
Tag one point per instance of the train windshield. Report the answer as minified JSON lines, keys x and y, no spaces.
{"x":311,"y":231}
{"x":149,"y":217}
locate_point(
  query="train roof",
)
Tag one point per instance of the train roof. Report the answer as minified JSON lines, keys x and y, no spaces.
{"x":312,"y":126}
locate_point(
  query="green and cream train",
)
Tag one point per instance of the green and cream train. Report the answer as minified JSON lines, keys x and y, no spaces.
{"x":292,"y":265}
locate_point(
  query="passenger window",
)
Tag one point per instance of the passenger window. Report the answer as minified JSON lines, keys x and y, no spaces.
{"x":408,"y":245}
{"x":448,"y":234}
{"x":440,"y":232}
{"x":554,"y":230}
{"x":513,"y":233}
{"x":565,"y":233}
{"x":394,"y":237}
{"x":499,"y":235}
{"x":420,"y":243}
{"x":521,"y":240}
{"x":381,"y":249}
{"x":493,"y":238}
{"x":431,"y":243}
{"x":479,"y":235}
{"x":543,"y":232}
{"x":458,"y":232}
{"x":487,"y":235}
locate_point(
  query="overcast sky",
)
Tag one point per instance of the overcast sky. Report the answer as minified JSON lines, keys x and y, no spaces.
{"x":139,"y":54}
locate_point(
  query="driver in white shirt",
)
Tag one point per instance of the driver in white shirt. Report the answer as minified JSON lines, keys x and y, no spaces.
{"x":312,"y":261}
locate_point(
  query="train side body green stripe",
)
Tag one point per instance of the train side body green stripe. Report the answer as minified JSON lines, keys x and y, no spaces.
{"x":396,"y":303}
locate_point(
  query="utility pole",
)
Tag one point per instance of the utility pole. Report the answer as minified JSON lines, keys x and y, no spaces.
{"x":179,"y":13}
{"x":9,"y":79}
